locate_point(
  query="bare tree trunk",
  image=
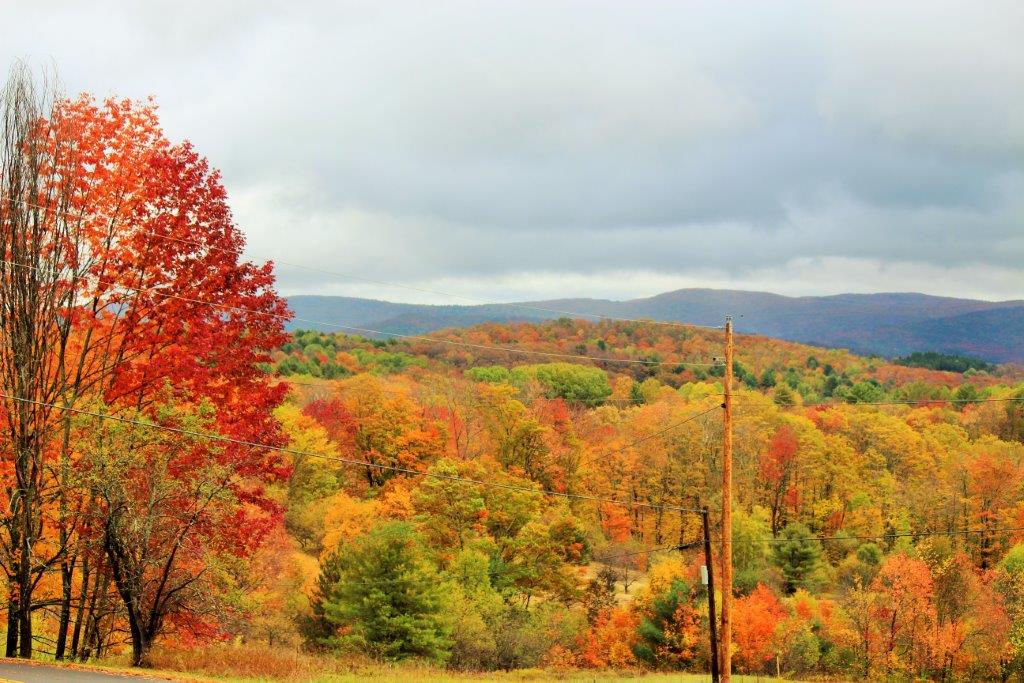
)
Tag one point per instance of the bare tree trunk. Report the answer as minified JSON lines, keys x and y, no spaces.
{"x":34,"y":319}
{"x":80,"y":612}
{"x":659,"y":518}
{"x":67,"y":573}
{"x":127,"y":581}
{"x":24,"y":580}
{"x":93,"y":639}
{"x":12,"y":622}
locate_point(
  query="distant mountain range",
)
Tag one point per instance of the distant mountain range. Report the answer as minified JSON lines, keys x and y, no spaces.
{"x":882,"y":324}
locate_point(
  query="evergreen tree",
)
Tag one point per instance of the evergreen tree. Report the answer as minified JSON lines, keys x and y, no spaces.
{"x":387,"y":599}
{"x":796,"y":555}
{"x":316,"y":628}
{"x":636,"y":394}
{"x":783,"y":396}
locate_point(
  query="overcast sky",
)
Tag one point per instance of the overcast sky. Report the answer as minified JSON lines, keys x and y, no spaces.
{"x":510,"y":150}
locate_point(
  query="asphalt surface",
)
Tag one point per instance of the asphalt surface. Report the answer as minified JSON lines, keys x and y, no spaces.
{"x":29,"y":673}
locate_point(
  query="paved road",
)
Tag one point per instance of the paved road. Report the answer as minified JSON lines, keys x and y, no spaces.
{"x":26,"y":673}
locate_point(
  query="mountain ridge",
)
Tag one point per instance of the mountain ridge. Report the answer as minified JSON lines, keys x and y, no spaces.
{"x":885,"y":323}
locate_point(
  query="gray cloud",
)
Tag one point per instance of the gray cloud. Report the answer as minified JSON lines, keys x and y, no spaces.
{"x":504,"y":148}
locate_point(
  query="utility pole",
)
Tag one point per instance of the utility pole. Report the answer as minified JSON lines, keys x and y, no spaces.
{"x":712,"y":617}
{"x":726,"y":649}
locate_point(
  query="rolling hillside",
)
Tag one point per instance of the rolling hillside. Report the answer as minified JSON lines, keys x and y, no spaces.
{"x":883,"y":324}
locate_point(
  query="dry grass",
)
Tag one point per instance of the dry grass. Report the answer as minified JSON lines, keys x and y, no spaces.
{"x":254,"y":663}
{"x":251,"y":664}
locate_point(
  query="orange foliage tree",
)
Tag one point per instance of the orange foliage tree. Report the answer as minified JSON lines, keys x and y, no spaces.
{"x":145,"y":301}
{"x":755,"y":621}
{"x":610,"y":640}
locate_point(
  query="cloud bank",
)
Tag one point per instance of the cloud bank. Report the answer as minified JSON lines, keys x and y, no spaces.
{"x":539,"y":150}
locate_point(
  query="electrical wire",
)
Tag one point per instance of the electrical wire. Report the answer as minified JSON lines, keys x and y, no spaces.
{"x":921,"y":402}
{"x":607,"y":454}
{"x":918,"y":534}
{"x":628,"y":402}
{"x":653,"y":435}
{"x":349,"y":461}
{"x":601,"y":456}
{"x":678,"y":547}
{"x":911,"y":534}
{"x":744,"y":407}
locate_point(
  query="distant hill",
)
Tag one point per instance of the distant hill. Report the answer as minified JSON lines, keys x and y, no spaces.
{"x":883,"y":324}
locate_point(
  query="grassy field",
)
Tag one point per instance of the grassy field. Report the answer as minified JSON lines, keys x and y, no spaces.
{"x":254,"y":665}
{"x":406,"y":674}
{"x":409,"y":674}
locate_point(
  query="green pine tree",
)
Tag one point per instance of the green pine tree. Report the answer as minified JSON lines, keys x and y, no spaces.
{"x":388,"y":598}
{"x":796,"y":555}
{"x":316,"y":628}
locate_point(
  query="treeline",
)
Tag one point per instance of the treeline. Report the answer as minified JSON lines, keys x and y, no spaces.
{"x":944,"y":361}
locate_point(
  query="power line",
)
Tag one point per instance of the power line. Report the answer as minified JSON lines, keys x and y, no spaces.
{"x":628,"y":402}
{"x":288,"y":380}
{"x":386,"y":283}
{"x":921,"y":401}
{"x":632,"y":444}
{"x":591,"y":459}
{"x":365,"y":330}
{"x":911,"y":534}
{"x":678,"y":547}
{"x":350,"y":461}
{"x":652,"y":435}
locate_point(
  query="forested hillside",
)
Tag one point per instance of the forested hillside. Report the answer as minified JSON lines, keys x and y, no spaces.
{"x":545,"y":495}
{"x":671,"y":353}
{"x":883,"y":324}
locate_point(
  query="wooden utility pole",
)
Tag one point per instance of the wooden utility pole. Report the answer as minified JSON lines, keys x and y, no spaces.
{"x":726,"y":649}
{"x":712,"y":616}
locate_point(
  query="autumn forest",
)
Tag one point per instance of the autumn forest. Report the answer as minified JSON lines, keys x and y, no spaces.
{"x":184,"y":471}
